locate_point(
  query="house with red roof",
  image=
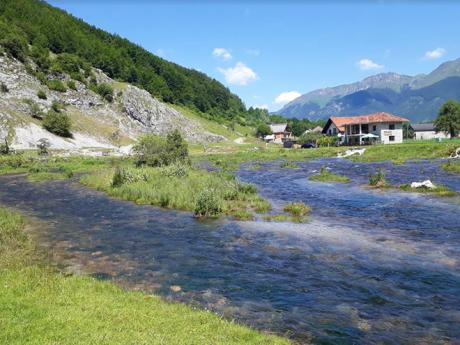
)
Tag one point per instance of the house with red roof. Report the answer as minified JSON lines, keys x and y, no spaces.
{"x":379,"y":127}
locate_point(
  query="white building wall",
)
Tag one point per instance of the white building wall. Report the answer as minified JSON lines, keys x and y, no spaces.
{"x":427,"y":135}
{"x":394,"y":136}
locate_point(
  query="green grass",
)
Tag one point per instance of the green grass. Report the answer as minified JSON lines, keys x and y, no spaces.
{"x":152,"y":186}
{"x":327,"y":176}
{"x":231,"y":158}
{"x":41,"y":306}
{"x":439,"y":190}
{"x":412,"y":150}
{"x":452,"y":166}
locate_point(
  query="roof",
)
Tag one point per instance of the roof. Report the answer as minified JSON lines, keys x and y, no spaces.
{"x":424,"y":127}
{"x":341,"y":121}
{"x":278,"y":127}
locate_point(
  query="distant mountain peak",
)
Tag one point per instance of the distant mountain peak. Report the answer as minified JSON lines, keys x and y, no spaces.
{"x":417,"y":97}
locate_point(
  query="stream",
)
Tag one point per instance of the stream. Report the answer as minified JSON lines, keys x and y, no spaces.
{"x":368,"y":267}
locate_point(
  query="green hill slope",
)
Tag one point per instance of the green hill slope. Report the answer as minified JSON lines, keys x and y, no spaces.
{"x":32,"y":28}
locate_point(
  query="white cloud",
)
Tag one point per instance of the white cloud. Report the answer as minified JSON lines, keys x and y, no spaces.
{"x":368,"y":64}
{"x":285,"y":97}
{"x":222,"y":53}
{"x":239,"y":75}
{"x":262,"y":106}
{"x":435,"y":54}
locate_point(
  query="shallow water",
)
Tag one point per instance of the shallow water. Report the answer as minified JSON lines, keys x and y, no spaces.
{"x":370,"y":266}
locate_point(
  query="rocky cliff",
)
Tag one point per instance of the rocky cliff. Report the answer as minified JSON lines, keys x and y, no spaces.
{"x":96,"y":121}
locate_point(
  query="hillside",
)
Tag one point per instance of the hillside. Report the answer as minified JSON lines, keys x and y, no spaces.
{"x":417,"y":98}
{"x":96,"y":121}
{"x":32,"y":28}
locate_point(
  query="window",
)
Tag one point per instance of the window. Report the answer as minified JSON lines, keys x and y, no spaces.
{"x":365,"y":128}
{"x":374,"y":128}
{"x":391,"y":126}
{"x":391,"y":138}
{"x":354,"y":129}
{"x":334,"y":131}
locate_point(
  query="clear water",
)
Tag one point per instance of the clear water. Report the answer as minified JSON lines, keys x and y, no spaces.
{"x":369,"y":267}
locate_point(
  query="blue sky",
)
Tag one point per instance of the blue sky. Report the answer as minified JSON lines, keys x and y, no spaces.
{"x":267,"y":52}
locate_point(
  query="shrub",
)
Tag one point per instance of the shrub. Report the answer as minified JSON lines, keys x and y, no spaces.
{"x":4,"y":88}
{"x":57,"y":123}
{"x":153,"y":150}
{"x":378,"y":179}
{"x":71,"y":85}
{"x":15,"y":46}
{"x":56,"y":85}
{"x":297,"y":209}
{"x":43,"y":146}
{"x":207,"y":204}
{"x":175,"y":170}
{"x":5,"y":148}
{"x":310,"y":137}
{"x":262,"y":130}
{"x":41,"y":94}
{"x":124,"y":175}
{"x":105,"y":91}
{"x":57,"y":106}
{"x":327,"y":141}
{"x":34,"y":109}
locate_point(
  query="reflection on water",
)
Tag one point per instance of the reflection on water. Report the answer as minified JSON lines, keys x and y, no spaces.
{"x":369,"y":267}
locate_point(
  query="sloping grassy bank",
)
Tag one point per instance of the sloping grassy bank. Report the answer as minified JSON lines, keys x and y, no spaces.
{"x":452,"y":166}
{"x":41,"y":306}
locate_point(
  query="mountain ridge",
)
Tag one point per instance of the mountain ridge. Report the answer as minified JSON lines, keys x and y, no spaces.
{"x":413,"y":101}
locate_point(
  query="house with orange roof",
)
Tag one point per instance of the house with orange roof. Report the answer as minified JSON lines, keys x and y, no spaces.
{"x":379,"y":127}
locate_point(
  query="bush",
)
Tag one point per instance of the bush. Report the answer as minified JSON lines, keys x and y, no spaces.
{"x":310,"y":137}
{"x":34,"y":109}
{"x":327,"y":141}
{"x":5,"y":148}
{"x":41,"y":94}
{"x":57,"y":106}
{"x":71,"y":85}
{"x":15,"y":46}
{"x":4,"y":88}
{"x":105,"y":91}
{"x":175,"y":170}
{"x":262,"y":130}
{"x":43,"y":146}
{"x":153,"y":150}
{"x":57,"y":123}
{"x":378,"y":179}
{"x":123,"y":175}
{"x":207,"y":204}
{"x":56,"y":85}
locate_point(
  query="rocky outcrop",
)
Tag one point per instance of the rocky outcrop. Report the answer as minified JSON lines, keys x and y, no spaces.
{"x":133,"y":112}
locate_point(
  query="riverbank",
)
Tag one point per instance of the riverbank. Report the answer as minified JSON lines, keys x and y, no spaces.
{"x":397,"y":153}
{"x":42,"y":306}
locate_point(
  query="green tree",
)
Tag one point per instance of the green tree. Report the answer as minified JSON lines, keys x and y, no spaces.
{"x":262,"y":130}
{"x":57,"y":123}
{"x":448,"y":119}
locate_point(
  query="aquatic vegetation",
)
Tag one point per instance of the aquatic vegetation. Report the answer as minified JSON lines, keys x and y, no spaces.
{"x":289,"y":165}
{"x":378,"y":179}
{"x":438,"y":190}
{"x":297,"y":209}
{"x":452,"y":166}
{"x":327,"y":176}
{"x":43,"y":301}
